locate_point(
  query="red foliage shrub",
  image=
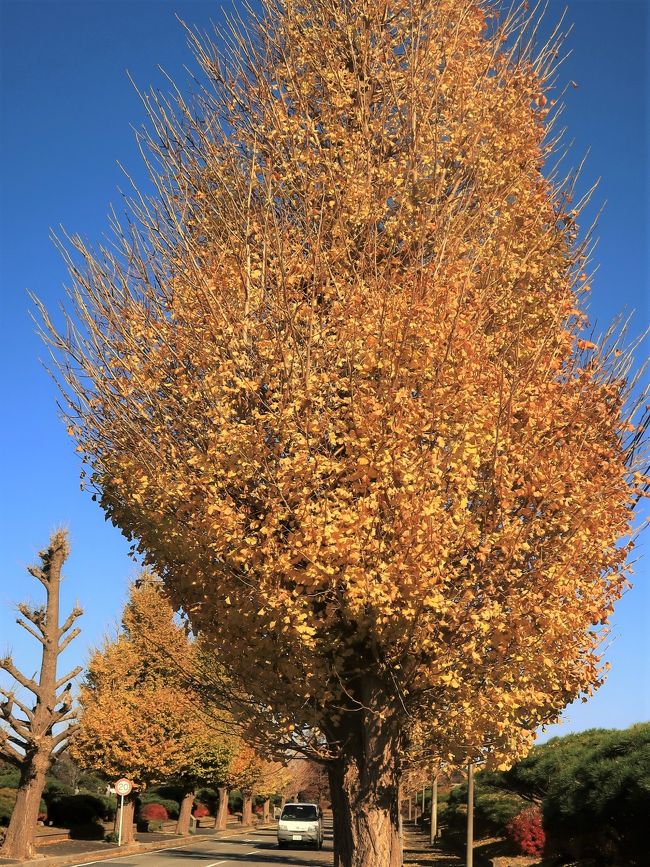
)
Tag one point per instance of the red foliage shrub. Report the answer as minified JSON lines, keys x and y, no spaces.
{"x":526,"y":831}
{"x":154,"y":812}
{"x":200,"y":811}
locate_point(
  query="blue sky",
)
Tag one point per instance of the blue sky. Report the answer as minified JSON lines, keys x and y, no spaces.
{"x":67,"y":107}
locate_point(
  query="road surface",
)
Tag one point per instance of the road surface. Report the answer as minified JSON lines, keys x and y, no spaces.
{"x":243,"y":849}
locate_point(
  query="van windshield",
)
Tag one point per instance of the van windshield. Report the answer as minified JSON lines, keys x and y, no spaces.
{"x":304,"y":812}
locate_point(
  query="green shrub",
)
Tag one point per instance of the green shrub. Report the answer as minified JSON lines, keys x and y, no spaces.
{"x":7,"y":801}
{"x":153,"y":796}
{"x":235,"y":801}
{"x":9,"y":778}
{"x":87,"y":831}
{"x":594,"y":788}
{"x":68,"y":811}
{"x":493,"y":809}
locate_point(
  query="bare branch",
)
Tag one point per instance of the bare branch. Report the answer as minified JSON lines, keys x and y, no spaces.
{"x":27,"y":682}
{"x":29,"y":629}
{"x":63,"y":737}
{"x":8,"y":752}
{"x":70,"y":637}
{"x":74,"y":614}
{"x":69,"y":676}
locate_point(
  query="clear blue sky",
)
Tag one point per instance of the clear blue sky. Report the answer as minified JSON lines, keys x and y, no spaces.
{"x":67,"y":107}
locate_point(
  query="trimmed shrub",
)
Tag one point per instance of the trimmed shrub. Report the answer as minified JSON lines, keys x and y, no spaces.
{"x":493,"y":809}
{"x":69,"y":811}
{"x":87,"y":831}
{"x":200,"y":811}
{"x":526,"y":832}
{"x":155,"y":796}
{"x":153,"y":812}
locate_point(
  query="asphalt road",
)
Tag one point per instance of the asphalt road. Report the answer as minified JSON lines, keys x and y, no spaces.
{"x":245,"y":849}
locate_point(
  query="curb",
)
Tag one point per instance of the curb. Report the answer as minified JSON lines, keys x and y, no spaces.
{"x":136,"y":849}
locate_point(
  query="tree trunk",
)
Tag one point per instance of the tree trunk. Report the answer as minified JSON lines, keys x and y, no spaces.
{"x":222,"y":810}
{"x":127,"y":820}
{"x":247,"y":808}
{"x":19,"y":841}
{"x":265,"y":810}
{"x":364,"y":785}
{"x":434,"y":809}
{"x":185,"y":814}
{"x":34,"y":727}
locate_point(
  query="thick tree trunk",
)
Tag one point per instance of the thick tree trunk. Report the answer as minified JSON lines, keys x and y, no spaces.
{"x":128,"y":815}
{"x":222,"y":809}
{"x":364,"y":786}
{"x":19,"y":841}
{"x":185,"y":814}
{"x":247,"y":808}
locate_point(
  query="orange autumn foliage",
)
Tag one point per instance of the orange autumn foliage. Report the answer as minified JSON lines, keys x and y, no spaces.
{"x":139,"y":718}
{"x":334,"y":387}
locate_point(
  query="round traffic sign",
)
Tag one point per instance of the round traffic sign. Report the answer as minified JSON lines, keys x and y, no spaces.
{"x":123,"y":787}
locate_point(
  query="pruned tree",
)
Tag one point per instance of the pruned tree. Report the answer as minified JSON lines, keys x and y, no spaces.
{"x":32,"y":736}
{"x":334,"y":382}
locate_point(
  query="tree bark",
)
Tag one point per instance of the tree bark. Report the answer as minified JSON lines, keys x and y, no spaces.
{"x":19,"y":840}
{"x":247,"y":808}
{"x":34,"y":727}
{"x":222,"y":810}
{"x":128,"y":816}
{"x":265,"y":810}
{"x":185,"y":814}
{"x":364,"y":785}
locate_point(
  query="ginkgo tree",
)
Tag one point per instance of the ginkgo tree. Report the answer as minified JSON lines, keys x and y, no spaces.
{"x":333,"y":382}
{"x":140,"y":719}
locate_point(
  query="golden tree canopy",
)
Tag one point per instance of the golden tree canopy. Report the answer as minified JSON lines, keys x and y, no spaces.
{"x":334,"y":384}
{"x":139,"y":719}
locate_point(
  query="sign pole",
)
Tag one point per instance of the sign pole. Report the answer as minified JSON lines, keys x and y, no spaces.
{"x":122,"y":787}
{"x":119,"y":833}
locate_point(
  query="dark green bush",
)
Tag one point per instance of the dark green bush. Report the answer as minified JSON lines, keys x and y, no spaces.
{"x":9,"y":778}
{"x":68,"y":811}
{"x":7,"y":801}
{"x":235,"y":801}
{"x":87,"y":831}
{"x":493,"y":809}
{"x":594,"y":787}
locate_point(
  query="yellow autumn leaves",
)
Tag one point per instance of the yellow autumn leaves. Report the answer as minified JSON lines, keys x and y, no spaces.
{"x":346,"y":420}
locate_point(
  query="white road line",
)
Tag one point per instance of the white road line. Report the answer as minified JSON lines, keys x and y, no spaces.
{"x":214,"y":863}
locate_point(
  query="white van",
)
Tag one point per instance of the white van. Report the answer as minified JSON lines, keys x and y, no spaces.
{"x":300,"y":824}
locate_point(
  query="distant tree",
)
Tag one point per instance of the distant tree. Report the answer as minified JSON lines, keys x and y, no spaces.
{"x":134,"y":720}
{"x":141,"y":718}
{"x":32,"y":737}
